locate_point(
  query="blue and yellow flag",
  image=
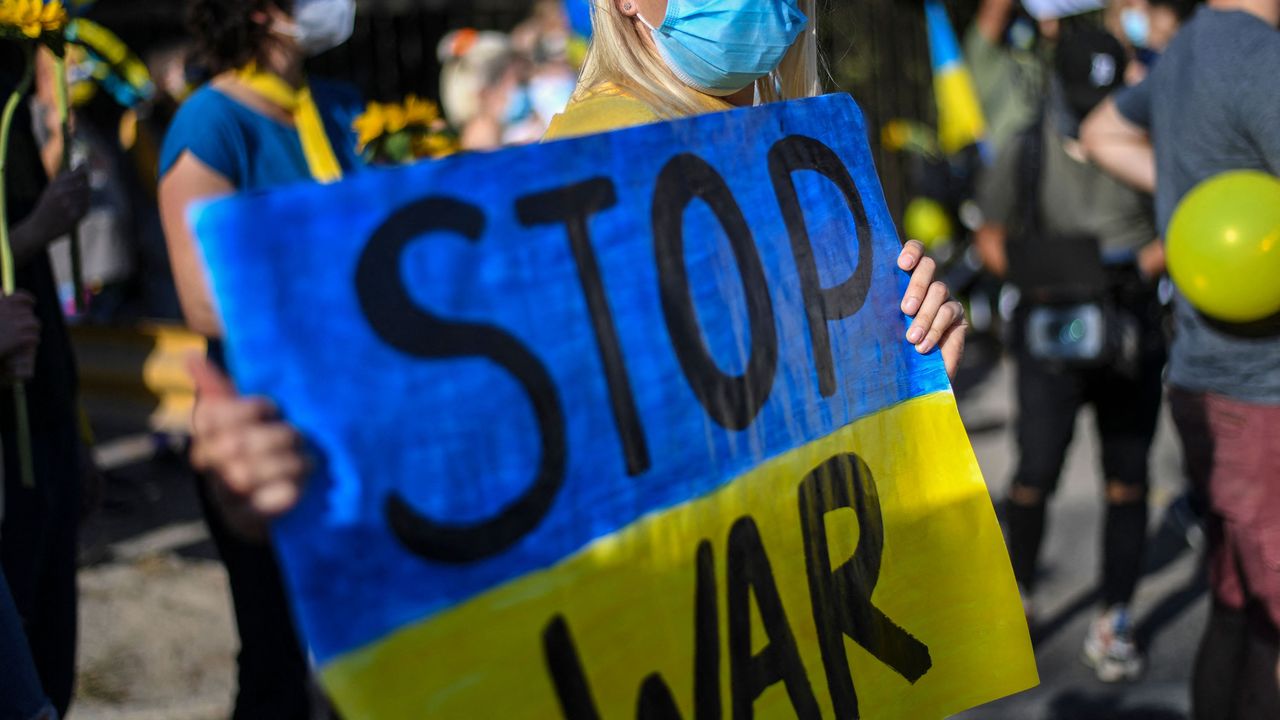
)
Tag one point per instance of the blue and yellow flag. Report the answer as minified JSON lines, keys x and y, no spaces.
{"x":108,"y":62}
{"x":960,"y":120}
{"x":620,"y":426}
{"x":578,"y":13}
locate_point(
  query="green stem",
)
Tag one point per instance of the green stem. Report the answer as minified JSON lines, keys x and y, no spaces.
{"x":10,"y":108}
{"x":7,"y":272}
{"x":64,"y":123}
{"x":26,"y":466}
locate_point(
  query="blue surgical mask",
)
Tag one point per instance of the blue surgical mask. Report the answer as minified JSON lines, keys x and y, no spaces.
{"x":722,"y":46}
{"x":1022,"y":34}
{"x":519,"y":105}
{"x":549,"y":94}
{"x":1137,"y":26}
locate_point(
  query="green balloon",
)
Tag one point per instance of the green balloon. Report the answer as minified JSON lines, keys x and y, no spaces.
{"x":1223,"y":246}
{"x":927,"y":221}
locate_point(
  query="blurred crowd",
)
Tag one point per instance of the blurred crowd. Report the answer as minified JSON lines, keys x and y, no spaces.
{"x":105,"y":188}
{"x":1098,"y":120}
{"x":1103,"y":123}
{"x":1081,"y":253}
{"x":496,"y":89}
{"x":503,"y":88}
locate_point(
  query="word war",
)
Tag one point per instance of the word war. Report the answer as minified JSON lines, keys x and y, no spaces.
{"x":842,"y":607}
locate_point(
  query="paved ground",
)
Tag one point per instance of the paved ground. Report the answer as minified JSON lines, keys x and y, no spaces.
{"x":157,"y":637}
{"x":1171,"y":604}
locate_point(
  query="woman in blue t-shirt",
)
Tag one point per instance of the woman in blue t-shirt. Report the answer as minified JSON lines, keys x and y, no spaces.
{"x":246,"y":129}
{"x":259,"y":123}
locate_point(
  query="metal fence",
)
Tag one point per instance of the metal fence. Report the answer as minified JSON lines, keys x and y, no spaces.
{"x":875,"y":49}
{"x":878,"y":51}
{"x":393,"y":50}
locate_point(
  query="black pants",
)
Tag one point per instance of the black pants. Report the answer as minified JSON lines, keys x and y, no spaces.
{"x":273,"y":676}
{"x":21,"y":696}
{"x":1235,"y":674}
{"x":38,"y":543}
{"x":1127,"y":407}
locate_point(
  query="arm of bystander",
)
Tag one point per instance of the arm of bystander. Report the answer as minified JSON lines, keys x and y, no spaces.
{"x":1115,"y":138}
{"x":188,"y":181}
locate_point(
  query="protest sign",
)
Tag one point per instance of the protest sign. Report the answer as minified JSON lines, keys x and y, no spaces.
{"x":620,"y":426}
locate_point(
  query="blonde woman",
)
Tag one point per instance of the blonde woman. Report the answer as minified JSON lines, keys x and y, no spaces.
{"x":654,"y":60}
{"x":650,"y":60}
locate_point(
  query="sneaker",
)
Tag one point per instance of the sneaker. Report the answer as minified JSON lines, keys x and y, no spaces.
{"x":1109,"y":648}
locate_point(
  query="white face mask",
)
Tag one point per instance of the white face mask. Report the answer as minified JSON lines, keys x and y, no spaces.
{"x":320,"y":25}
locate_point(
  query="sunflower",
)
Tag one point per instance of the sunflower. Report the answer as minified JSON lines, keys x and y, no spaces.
{"x":435,"y":145}
{"x":397,"y":133}
{"x":395,"y":118}
{"x":420,"y":112}
{"x":370,"y":125}
{"x":381,"y":120}
{"x":33,"y":17}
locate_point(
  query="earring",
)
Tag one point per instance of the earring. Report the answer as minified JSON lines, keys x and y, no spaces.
{"x":627,"y":7}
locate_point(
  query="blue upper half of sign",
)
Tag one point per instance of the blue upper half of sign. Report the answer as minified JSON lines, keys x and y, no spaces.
{"x":401,"y":317}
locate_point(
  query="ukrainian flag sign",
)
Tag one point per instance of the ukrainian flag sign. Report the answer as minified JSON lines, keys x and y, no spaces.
{"x":621,"y":426}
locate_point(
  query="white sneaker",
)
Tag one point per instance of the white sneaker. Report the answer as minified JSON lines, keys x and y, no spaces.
{"x":1109,"y":648}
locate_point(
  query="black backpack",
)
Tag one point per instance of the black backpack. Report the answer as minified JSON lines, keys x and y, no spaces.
{"x":1048,"y":268}
{"x":1066,"y":313}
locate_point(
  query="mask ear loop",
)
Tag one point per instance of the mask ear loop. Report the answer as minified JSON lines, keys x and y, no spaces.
{"x":775,"y":78}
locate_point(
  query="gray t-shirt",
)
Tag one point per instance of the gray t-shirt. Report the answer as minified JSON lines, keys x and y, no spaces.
{"x":1212,"y":104}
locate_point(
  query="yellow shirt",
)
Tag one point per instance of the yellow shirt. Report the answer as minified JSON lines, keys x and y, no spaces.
{"x":608,"y":107}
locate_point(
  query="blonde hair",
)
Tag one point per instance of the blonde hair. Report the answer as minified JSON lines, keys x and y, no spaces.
{"x":619,"y":55}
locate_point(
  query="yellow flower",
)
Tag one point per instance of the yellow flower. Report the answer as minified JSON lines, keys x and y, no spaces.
{"x":369,"y":126}
{"x":420,"y":112}
{"x":396,"y":120}
{"x":33,"y":17}
{"x":434,"y":145}
{"x":895,"y":135}
{"x":420,"y":117}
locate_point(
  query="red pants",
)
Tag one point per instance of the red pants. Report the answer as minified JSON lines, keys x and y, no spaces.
{"x":1232,"y":451}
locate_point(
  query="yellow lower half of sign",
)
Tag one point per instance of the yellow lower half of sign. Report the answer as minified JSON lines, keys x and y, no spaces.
{"x":628,"y":605}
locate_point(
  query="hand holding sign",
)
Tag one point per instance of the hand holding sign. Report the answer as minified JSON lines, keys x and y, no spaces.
{"x":938,"y":319}
{"x":255,"y":460}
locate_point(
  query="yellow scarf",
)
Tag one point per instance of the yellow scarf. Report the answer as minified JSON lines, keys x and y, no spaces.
{"x":298,"y":102}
